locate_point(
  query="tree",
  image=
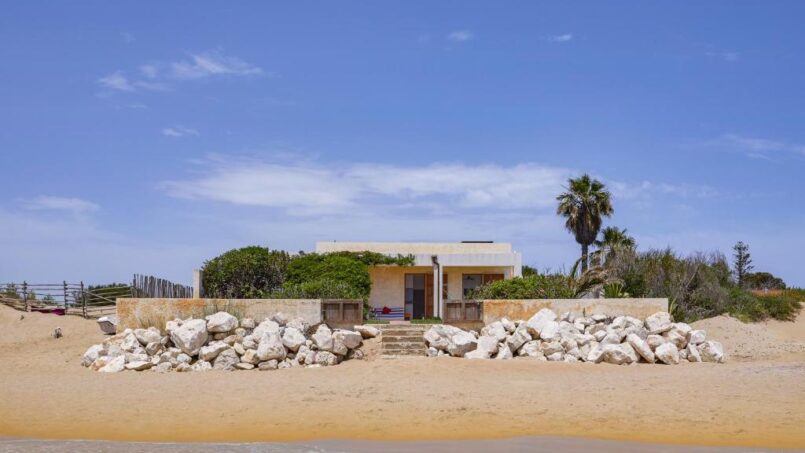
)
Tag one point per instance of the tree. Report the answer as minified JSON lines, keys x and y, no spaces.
{"x":763,"y":280}
{"x":743,"y":262}
{"x":245,"y":273}
{"x":583,"y":206}
{"x":613,"y":240}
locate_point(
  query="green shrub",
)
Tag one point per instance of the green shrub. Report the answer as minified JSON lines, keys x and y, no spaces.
{"x":322,"y":270}
{"x":245,"y":273}
{"x":541,"y":286}
{"x":784,"y":306}
{"x":317,"y":289}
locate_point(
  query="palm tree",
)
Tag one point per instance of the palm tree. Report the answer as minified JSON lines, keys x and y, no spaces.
{"x":584,"y":204}
{"x":613,"y":239}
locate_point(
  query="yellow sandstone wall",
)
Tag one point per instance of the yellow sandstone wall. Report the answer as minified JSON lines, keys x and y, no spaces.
{"x":524,"y":309}
{"x":132,"y":313}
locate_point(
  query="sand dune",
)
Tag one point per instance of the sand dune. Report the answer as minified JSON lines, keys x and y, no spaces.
{"x":757,"y":400}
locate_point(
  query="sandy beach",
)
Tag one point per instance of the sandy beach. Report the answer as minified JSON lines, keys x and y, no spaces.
{"x":755,"y":400}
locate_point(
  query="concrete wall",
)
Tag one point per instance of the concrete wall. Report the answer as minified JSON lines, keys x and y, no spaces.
{"x":524,"y":309}
{"x":131,"y":312}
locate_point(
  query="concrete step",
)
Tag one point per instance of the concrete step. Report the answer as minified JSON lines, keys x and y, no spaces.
{"x":402,"y":338}
{"x":417,"y":346}
{"x":391,"y":353}
{"x":399,"y":332}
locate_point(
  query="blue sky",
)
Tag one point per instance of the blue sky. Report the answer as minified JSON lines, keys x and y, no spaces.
{"x":149,"y":137}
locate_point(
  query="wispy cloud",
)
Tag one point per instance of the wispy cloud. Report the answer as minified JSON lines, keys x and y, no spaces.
{"x":729,"y":56}
{"x":128,"y":38}
{"x":210,"y":64}
{"x":560,"y":38}
{"x":309,"y":188}
{"x":161,"y":75}
{"x":47,"y":202}
{"x":178,"y":131}
{"x":461,"y":36}
{"x":757,"y":147}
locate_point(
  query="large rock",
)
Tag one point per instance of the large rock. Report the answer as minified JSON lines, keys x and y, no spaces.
{"x":549,"y":331}
{"x":504,"y":353}
{"x":641,"y":347}
{"x":712,"y":351}
{"x":292,"y":339}
{"x":654,"y":341}
{"x":267,"y":326}
{"x":693,"y":353}
{"x":667,"y":353}
{"x":531,"y":349}
{"x":325,"y":358}
{"x":149,"y":335}
{"x":519,"y":338}
{"x":221,"y":322}
{"x":509,"y":325}
{"x":349,"y":338}
{"x":191,"y":336}
{"x":461,"y":343}
{"x":676,"y":337}
{"x":271,"y":347}
{"x":619,"y":354}
{"x":323,"y":338}
{"x":92,"y":354}
{"x":596,"y":354}
{"x":659,"y":322}
{"x":211,"y":351}
{"x":114,"y":365}
{"x":367,"y":331}
{"x":439,"y":336}
{"x":496,"y":329}
{"x":552,"y":347}
{"x":139,"y":365}
{"x":539,"y":320}
{"x":298,"y":324}
{"x":487,"y":346}
{"x":696,"y":337}
{"x":226,"y":360}
{"x":612,"y":337}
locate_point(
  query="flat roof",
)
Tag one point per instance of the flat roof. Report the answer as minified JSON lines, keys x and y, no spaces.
{"x":416,"y":248}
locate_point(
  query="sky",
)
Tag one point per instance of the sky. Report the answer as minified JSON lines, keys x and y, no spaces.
{"x":149,"y":137}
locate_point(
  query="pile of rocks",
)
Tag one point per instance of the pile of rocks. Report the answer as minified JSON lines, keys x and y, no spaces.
{"x":221,"y":342}
{"x":621,"y":340}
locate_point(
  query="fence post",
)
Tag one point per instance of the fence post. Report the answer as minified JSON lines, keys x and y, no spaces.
{"x":64,"y":282}
{"x":83,"y":301}
{"x":134,"y":286}
{"x":25,"y":295}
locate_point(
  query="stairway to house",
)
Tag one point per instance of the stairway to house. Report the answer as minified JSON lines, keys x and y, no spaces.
{"x":401,"y":340}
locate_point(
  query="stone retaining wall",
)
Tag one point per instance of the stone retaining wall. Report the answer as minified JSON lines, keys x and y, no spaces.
{"x":494,"y":310}
{"x":132,"y":312}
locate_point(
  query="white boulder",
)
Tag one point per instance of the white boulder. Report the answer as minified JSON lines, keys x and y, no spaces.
{"x":461,"y":343}
{"x":667,"y":353}
{"x":271,"y":347}
{"x":210,"y":352}
{"x":221,"y":322}
{"x":367,"y":331}
{"x":659,"y":322}
{"x":292,"y":339}
{"x":641,"y":347}
{"x":190,"y":336}
{"x":712,"y":351}
{"x":538,"y":321}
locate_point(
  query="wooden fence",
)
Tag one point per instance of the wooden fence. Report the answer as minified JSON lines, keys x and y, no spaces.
{"x":148,"y":286}
{"x":341,"y":311}
{"x":63,"y":298}
{"x":463,"y":310}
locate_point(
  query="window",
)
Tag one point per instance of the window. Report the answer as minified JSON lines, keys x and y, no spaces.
{"x":472,"y":281}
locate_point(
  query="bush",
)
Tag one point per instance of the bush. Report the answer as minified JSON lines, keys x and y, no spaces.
{"x":546,"y":286}
{"x":324,"y":270}
{"x":697,"y":286}
{"x":245,"y":273}
{"x":784,"y":306}
{"x":317,"y":289}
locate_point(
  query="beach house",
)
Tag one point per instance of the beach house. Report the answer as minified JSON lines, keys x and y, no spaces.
{"x":408,"y":292}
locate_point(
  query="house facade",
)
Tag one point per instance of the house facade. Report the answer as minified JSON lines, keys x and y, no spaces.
{"x":410,"y":292}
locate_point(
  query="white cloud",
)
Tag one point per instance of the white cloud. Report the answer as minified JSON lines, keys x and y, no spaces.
{"x":116,"y":81}
{"x":560,"y":38}
{"x":210,"y":64}
{"x":460,"y":36}
{"x":729,"y":56}
{"x":310,"y":188}
{"x":757,"y":147}
{"x":46,"y":202}
{"x":156,"y":76}
{"x":178,"y":131}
